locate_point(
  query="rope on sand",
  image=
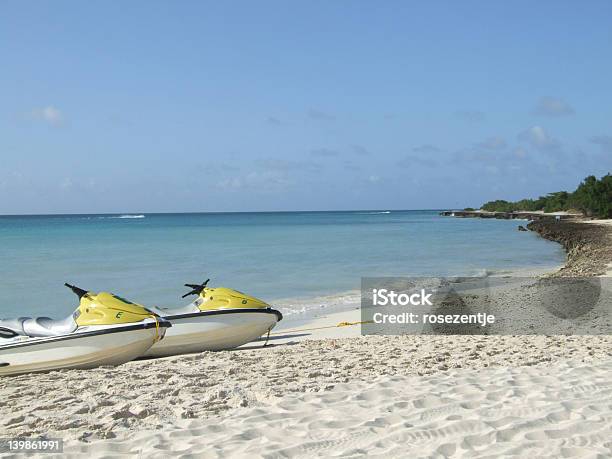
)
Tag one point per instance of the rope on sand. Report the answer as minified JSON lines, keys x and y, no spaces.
{"x":340,"y":324}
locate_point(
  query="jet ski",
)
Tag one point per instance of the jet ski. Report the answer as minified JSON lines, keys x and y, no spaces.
{"x":218,"y":319}
{"x":104,"y":330}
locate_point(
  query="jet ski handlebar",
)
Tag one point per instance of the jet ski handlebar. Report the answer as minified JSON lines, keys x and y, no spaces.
{"x":77,"y":291}
{"x":196,"y":289}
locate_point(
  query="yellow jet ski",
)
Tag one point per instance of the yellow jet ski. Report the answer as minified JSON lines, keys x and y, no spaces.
{"x":104,"y":330}
{"x":219,"y":318}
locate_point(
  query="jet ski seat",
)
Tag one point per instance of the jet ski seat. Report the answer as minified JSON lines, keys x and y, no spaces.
{"x":37,"y":327}
{"x":164,"y":312}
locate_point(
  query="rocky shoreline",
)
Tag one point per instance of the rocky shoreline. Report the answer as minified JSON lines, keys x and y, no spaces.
{"x":588,"y":246}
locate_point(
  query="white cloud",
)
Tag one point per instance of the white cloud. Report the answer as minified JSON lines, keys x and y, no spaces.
{"x":492,"y":143}
{"x":551,"y":106}
{"x":79,"y":185}
{"x":520,"y":152}
{"x":233,"y":183}
{"x":539,"y":138}
{"x":266,"y":181}
{"x":66,"y":184}
{"x":49,"y":114}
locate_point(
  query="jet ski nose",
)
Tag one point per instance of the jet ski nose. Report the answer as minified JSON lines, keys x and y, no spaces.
{"x":279,"y":315}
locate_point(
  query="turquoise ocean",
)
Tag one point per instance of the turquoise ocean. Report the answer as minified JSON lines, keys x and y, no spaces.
{"x":298,"y":261}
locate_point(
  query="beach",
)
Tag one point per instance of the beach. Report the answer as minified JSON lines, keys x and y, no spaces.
{"x":322,"y":389}
{"x":309,"y":229}
{"x":415,"y":395}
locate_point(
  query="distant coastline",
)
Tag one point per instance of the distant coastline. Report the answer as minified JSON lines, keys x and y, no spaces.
{"x":513,"y":215}
{"x":587,"y":241}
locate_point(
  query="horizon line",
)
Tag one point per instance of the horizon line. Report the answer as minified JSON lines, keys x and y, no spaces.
{"x":220,"y":212}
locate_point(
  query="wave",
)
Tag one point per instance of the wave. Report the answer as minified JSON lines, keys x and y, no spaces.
{"x":342,"y":301}
{"x":292,"y":306}
{"x":128,"y":216}
{"x":374,"y":213}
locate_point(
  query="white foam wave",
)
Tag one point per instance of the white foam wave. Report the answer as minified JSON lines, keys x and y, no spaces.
{"x":125,"y":216}
{"x":374,"y":213}
{"x":343,"y":300}
{"x":293,"y":306}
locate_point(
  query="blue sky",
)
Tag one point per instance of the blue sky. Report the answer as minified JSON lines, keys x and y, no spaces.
{"x":239,"y":106}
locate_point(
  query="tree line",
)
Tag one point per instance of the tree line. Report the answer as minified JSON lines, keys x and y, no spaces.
{"x":593,"y":198}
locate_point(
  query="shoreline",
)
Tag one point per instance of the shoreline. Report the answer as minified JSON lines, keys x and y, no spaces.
{"x":351,"y":300}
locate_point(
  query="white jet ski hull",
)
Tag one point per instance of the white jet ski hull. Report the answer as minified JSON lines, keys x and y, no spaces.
{"x":214,"y":330}
{"x":110,"y":346}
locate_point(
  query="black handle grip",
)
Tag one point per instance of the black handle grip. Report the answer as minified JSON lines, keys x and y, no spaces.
{"x":196,"y":288}
{"x":77,"y":291}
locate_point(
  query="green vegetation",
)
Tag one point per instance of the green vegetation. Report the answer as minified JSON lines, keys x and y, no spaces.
{"x":592,"y":197}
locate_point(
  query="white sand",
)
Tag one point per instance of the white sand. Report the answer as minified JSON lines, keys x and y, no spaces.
{"x":561,"y":410}
{"x":387,"y":395}
{"x":323,"y":327}
{"x":606,"y":222}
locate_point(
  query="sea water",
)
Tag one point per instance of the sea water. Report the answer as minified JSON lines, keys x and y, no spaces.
{"x":298,"y":261}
